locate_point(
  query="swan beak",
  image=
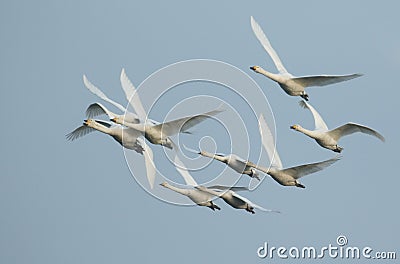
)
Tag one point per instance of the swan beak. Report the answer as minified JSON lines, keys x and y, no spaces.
{"x":253,"y":68}
{"x":292,"y":127}
{"x":85,"y":122}
{"x":113,"y":119}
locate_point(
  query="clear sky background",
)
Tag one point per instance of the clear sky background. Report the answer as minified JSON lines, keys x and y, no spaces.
{"x":64,"y":202}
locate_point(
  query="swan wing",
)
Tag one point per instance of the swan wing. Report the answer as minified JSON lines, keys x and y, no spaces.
{"x":79,"y":132}
{"x":97,"y":109}
{"x":224,"y":188}
{"x":322,"y":80}
{"x":318,"y":121}
{"x":91,"y":87}
{"x":183,"y":124}
{"x":303,"y":170}
{"x":132,"y":96}
{"x":149,"y":162}
{"x":181,"y":168}
{"x":244,"y":199}
{"x":268,"y":142}
{"x":351,"y":128}
{"x":262,"y":38}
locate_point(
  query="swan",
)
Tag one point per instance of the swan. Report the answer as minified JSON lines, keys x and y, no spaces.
{"x":133,"y":97}
{"x":289,"y":176}
{"x":159,"y":134}
{"x":292,"y":85}
{"x":227,"y":193}
{"x":329,"y":138}
{"x":233,"y":161}
{"x":128,"y":140}
{"x":235,"y":200}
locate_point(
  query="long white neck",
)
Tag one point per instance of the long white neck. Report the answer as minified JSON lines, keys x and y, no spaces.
{"x":310,"y":133}
{"x":101,"y":128}
{"x":275,"y":77}
{"x":213,"y":156}
{"x":176,"y":189}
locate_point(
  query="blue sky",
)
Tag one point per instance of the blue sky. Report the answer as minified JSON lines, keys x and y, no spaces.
{"x":64,"y":202}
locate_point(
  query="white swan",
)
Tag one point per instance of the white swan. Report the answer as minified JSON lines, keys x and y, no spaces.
{"x":226,"y":193}
{"x":329,"y":138}
{"x":292,"y":85}
{"x":289,"y":176}
{"x":233,"y":161}
{"x":197,"y":196}
{"x":97,"y":109}
{"x":159,"y":134}
{"x":125,"y":136}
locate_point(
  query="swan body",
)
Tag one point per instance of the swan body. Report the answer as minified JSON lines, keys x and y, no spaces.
{"x":198,"y":197}
{"x":292,"y":85}
{"x":329,"y":138}
{"x":234,"y":199}
{"x":289,"y":176}
{"x":233,"y":161}
{"x":125,"y":136}
{"x":159,"y":134}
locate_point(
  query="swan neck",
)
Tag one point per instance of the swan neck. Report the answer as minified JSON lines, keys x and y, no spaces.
{"x":176,"y":189}
{"x":306,"y":132}
{"x":101,"y":128}
{"x":272,"y":76}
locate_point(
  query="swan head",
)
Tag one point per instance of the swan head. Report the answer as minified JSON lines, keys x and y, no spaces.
{"x":167,"y":143}
{"x":164,"y":184}
{"x":255,"y":68}
{"x":88,"y":122}
{"x":295,"y":127}
{"x":117,"y":120}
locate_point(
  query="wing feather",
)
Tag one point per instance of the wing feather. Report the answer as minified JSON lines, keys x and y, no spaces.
{"x":351,"y":128}
{"x":318,"y":121}
{"x":262,"y":38}
{"x":322,"y":80}
{"x":303,"y":170}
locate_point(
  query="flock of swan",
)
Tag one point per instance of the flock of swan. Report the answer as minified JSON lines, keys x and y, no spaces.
{"x":135,"y":130}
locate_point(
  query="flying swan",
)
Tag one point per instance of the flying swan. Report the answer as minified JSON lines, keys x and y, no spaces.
{"x":329,"y":138}
{"x":292,"y":85}
{"x":233,"y":161}
{"x":289,"y":176}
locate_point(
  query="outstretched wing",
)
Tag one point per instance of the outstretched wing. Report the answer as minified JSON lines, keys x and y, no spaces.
{"x":181,"y":168}
{"x":268,"y":142}
{"x":149,"y":162}
{"x":253,"y":204}
{"x":322,"y":80}
{"x":303,"y":170}
{"x":79,"y":132}
{"x":91,"y":87}
{"x":351,"y":128}
{"x":183,"y":124}
{"x":97,"y":109}
{"x":318,"y":121}
{"x":224,"y":188}
{"x":132,"y":96}
{"x":267,"y":45}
